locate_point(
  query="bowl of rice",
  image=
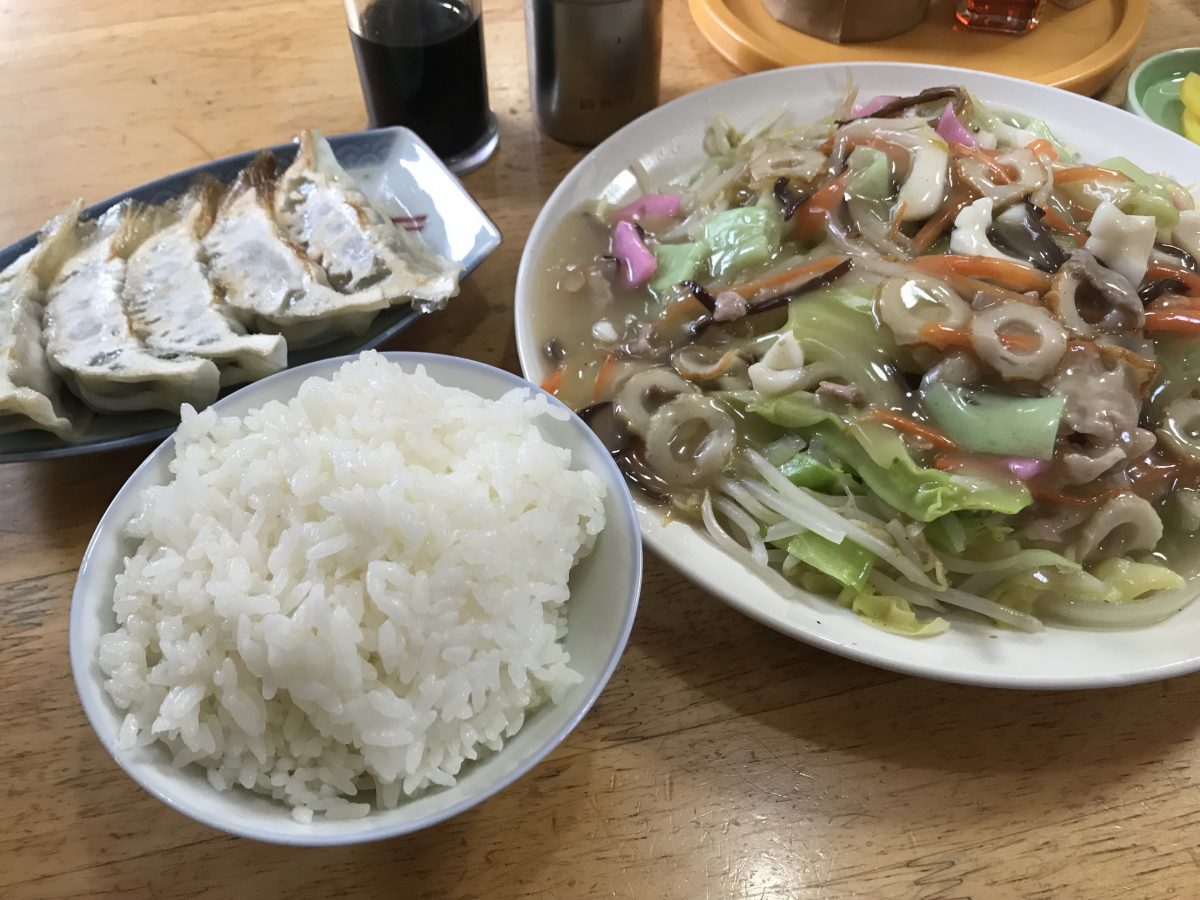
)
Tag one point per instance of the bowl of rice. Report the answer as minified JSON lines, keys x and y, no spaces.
{"x":355,"y":599}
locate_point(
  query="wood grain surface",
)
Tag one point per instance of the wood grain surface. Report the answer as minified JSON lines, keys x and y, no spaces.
{"x":724,"y":760}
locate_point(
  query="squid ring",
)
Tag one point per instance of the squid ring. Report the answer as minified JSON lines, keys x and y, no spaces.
{"x":690,"y":440}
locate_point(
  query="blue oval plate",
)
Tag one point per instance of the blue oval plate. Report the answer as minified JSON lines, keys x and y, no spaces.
{"x":398,"y":172}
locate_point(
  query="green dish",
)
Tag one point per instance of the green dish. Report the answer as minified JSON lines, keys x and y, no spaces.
{"x":1154,"y":86}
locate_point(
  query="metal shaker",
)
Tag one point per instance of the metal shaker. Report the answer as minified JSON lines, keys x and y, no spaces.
{"x":593,"y":64}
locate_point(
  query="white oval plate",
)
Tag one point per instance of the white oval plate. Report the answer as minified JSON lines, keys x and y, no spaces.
{"x":666,"y":141}
{"x":600,"y":613}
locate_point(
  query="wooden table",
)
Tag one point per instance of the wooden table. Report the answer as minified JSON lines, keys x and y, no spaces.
{"x":724,"y":760}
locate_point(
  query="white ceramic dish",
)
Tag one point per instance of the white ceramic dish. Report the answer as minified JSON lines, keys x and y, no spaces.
{"x":604,"y":594}
{"x":666,"y":141}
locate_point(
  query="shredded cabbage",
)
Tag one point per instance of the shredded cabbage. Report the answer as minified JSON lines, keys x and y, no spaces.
{"x":1127,"y":580}
{"x":676,"y":263}
{"x":895,"y":615}
{"x":798,"y":409}
{"x":806,"y":471}
{"x":846,"y":563}
{"x":1129,"y":197}
{"x":989,"y":422}
{"x":740,"y":238}
{"x":1014,"y":129}
{"x":872,"y":176}
{"x":878,"y":456}
{"x":836,"y":329}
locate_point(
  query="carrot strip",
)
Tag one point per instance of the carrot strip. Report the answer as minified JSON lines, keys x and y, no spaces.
{"x":748,"y":289}
{"x":1088,"y":173}
{"x":1179,"y":321}
{"x":1163,"y":270}
{"x":913,"y":428}
{"x":1042,"y":147}
{"x":897,"y":154}
{"x":1080,"y":212}
{"x":997,"y":172}
{"x":809,"y":220}
{"x":1018,"y":341}
{"x":945,"y":337}
{"x":552,"y":382}
{"x":960,"y":462}
{"x":1175,"y":302}
{"x":940,"y":220}
{"x":969,"y":287}
{"x":960,"y":194}
{"x":604,"y":377}
{"x":719,"y":368}
{"x":938,"y":223}
{"x":1057,"y":222}
{"x":681,"y":310}
{"x":1153,"y":476}
{"x":1010,"y":274}
{"x":897,"y":219}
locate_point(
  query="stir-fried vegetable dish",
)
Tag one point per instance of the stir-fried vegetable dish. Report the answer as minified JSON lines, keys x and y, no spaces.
{"x":914,"y":356}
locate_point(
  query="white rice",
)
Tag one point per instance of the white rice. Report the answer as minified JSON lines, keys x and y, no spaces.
{"x":353,"y":594}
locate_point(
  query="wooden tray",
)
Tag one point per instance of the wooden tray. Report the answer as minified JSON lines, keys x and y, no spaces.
{"x":1080,"y":50}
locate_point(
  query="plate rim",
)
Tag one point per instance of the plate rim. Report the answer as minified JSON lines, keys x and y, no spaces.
{"x":650,"y":517}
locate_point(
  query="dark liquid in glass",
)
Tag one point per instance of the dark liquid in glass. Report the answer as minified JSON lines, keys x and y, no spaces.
{"x":421,"y":65}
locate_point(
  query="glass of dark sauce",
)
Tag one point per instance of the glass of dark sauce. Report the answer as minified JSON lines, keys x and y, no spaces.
{"x":421,"y":65}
